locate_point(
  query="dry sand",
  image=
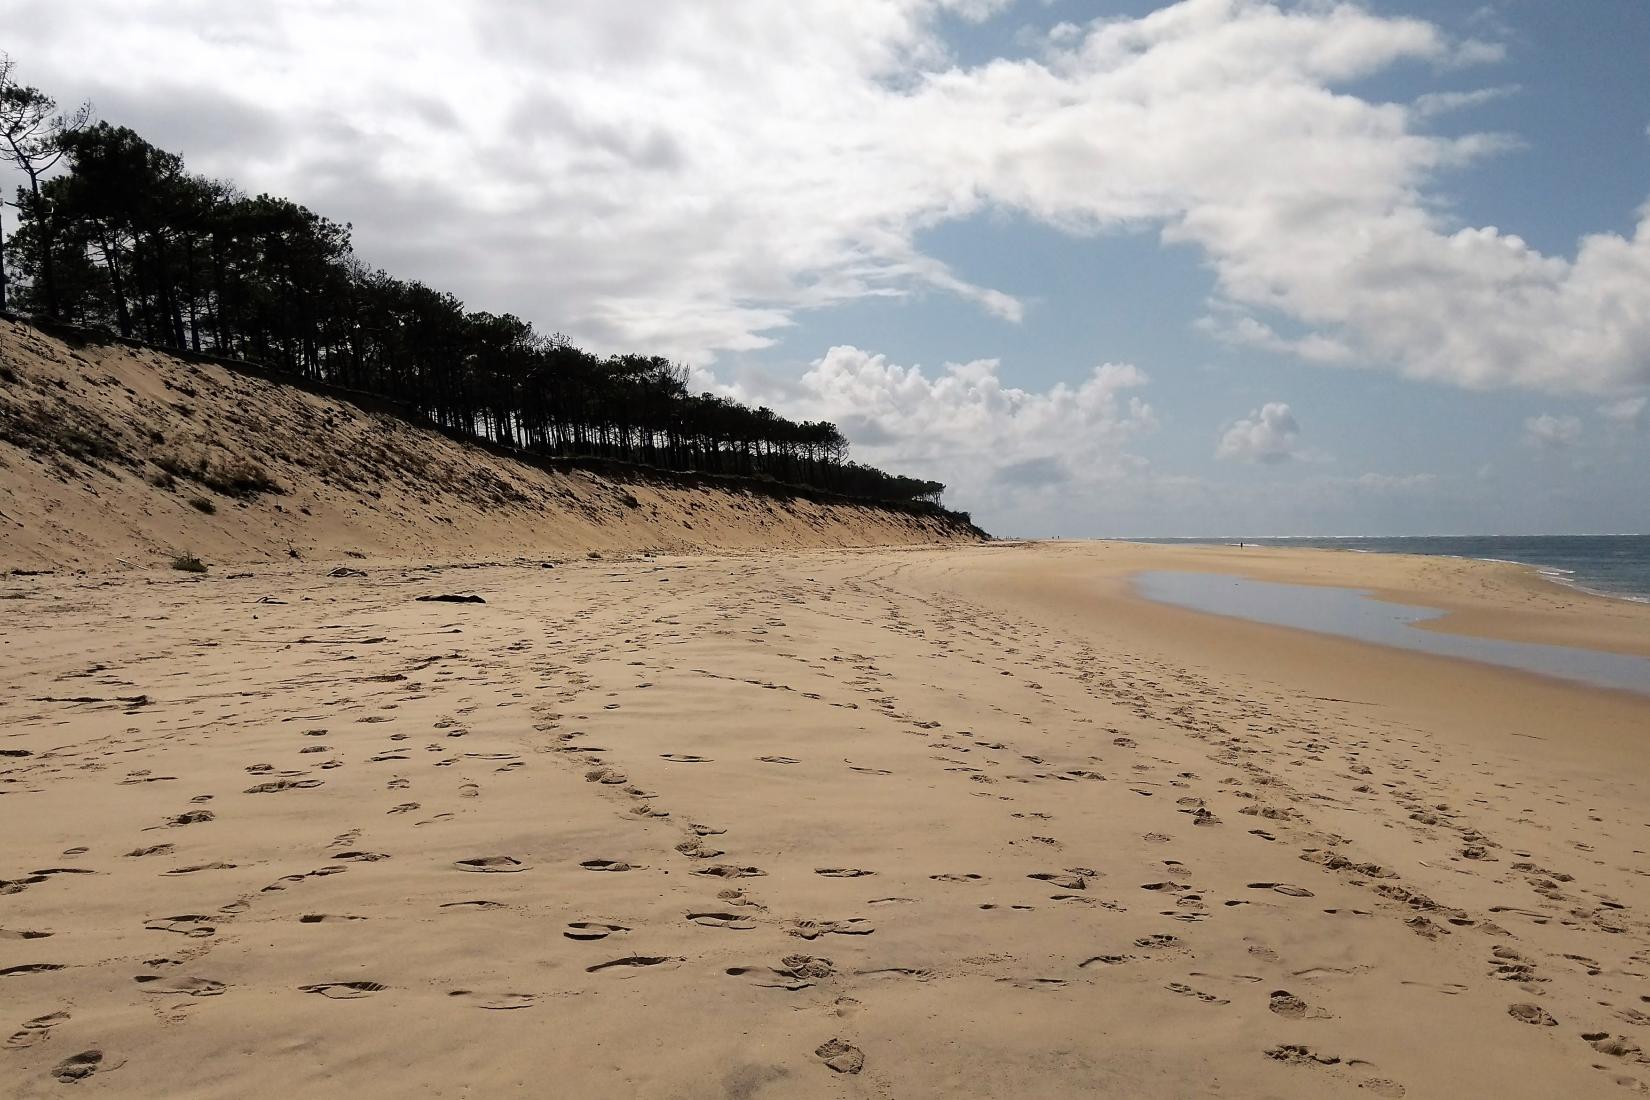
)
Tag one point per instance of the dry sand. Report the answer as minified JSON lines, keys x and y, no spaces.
{"x":902,"y":823}
{"x":109,"y":456}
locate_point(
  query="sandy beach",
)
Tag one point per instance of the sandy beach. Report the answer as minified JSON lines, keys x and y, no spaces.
{"x":948,"y":821}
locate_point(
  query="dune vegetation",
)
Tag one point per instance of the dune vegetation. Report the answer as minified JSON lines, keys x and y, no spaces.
{"x":117,"y":235}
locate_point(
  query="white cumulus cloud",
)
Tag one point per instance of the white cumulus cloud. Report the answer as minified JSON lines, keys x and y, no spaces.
{"x":1552,"y":432}
{"x":1625,"y":412}
{"x":1394,"y":483}
{"x":1244,"y":331}
{"x":962,"y":424}
{"x":1266,"y":435}
{"x":685,"y":177}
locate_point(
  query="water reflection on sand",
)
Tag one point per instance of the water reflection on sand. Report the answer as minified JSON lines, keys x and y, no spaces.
{"x":1351,"y":613}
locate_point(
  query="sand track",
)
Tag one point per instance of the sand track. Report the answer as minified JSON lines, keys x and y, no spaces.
{"x":828,"y":824}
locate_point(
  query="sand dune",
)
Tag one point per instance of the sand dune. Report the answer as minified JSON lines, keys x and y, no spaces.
{"x":113,"y":456}
{"x":969,"y":821}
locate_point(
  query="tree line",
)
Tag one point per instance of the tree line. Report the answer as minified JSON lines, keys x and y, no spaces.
{"x":116,"y":234}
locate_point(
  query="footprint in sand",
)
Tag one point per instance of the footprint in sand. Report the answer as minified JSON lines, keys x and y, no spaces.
{"x":188,"y":987}
{"x":498,"y":1002}
{"x":317,"y":918}
{"x":284,"y":785}
{"x":794,"y":972}
{"x":1187,"y":991}
{"x":1297,"y":1055}
{"x":78,"y":1067}
{"x":813,"y":929}
{"x":779,"y":760}
{"x":344,"y":991}
{"x":37,"y":1030}
{"x":23,"y":934}
{"x":1282,"y":888}
{"x":404,"y":808}
{"x":842,"y":872}
{"x":684,"y":758}
{"x":186,"y":925}
{"x":1034,"y":983}
{"x":606,"y":865}
{"x":192,"y":817}
{"x":494,"y":865}
{"x":1285,"y":1003}
{"x":722,"y":920}
{"x":30,"y":968}
{"x":1064,"y":882}
{"x":192,"y":868}
{"x":630,"y":961}
{"x":1532,"y":1014}
{"x":970,"y":877}
{"x":729,"y":870}
{"x":736,"y":896}
{"x":917,"y":973}
{"x":475,"y":904}
{"x":592,"y":930}
{"x":1616,"y":1046}
{"x":841,"y":1056}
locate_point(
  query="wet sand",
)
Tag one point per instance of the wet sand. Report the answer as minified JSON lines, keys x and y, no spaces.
{"x":889,"y":823}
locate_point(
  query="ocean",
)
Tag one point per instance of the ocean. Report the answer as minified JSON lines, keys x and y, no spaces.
{"x":1610,"y":565}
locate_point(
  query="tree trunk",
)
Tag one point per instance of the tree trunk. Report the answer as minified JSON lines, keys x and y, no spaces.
{"x":111,"y":260}
{"x":48,"y":275}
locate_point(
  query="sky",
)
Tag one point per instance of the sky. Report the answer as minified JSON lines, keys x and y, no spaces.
{"x":1104,"y":267}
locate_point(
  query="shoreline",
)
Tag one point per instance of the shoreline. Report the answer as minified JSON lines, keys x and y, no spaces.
{"x":1355,"y":614}
{"x":1563,"y":577}
{"x":1556,"y":574}
{"x":1486,"y":598}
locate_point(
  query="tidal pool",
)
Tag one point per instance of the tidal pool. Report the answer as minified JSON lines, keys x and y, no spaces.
{"x":1353,"y":613}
